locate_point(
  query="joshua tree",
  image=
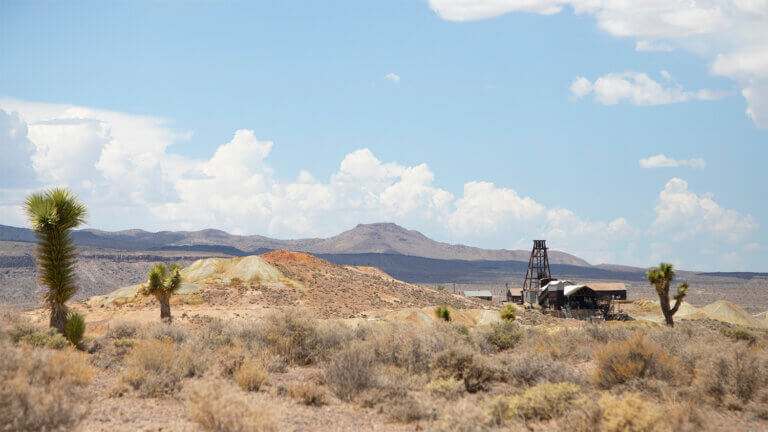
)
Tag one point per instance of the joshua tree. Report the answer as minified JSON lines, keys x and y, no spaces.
{"x":163,"y":283}
{"x":53,"y":214}
{"x":660,"y":278}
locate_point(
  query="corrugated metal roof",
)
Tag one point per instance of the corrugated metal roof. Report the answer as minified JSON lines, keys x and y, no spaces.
{"x":570,"y":289}
{"x":516,"y":291}
{"x":608,"y":286}
{"x":477,"y":293}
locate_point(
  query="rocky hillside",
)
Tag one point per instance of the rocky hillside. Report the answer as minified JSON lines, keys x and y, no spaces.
{"x":371,"y":238}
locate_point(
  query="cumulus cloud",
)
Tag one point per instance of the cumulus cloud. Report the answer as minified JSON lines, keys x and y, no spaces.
{"x":661,"y":161}
{"x":683,"y":214}
{"x":636,"y":88}
{"x":395,"y":78}
{"x":486,"y":208}
{"x":650,"y":45}
{"x":124,"y":170}
{"x":730,"y":33}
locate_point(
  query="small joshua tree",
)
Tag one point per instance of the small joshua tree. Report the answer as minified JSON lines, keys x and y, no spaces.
{"x":443,"y":312}
{"x":660,"y":278}
{"x":53,"y":214}
{"x":163,"y":283}
{"x":75,"y":328}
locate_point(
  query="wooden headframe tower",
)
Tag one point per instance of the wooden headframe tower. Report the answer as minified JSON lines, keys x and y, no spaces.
{"x":538,"y":269}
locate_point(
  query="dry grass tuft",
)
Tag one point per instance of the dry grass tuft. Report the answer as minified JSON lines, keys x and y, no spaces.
{"x":153,"y":371}
{"x":447,"y":388}
{"x":631,"y":413}
{"x":309,"y":393}
{"x":220,"y":407}
{"x":251,"y":375}
{"x":545,"y":401}
{"x":636,"y":357}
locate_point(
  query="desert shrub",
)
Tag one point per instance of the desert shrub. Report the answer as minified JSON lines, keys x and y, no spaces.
{"x":505,"y":334}
{"x":508,"y":313}
{"x":164,"y":330}
{"x":408,"y":346}
{"x":409,"y":410}
{"x":42,"y":389}
{"x":350,"y":371}
{"x":21,"y":329}
{"x":192,"y":363}
{"x":443,"y":312}
{"x":740,"y":333}
{"x":8,"y":317}
{"x":292,"y":333}
{"x":448,"y":388}
{"x":74,"y":328}
{"x":462,"y":363}
{"x":230,"y":358}
{"x":251,"y":375}
{"x":152,"y":368}
{"x":544,"y":401}
{"x":532,"y":368}
{"x":631,"y":413}
{"x":464,"y":416}
{"x":606,"y":332}
{"x":636,"y":357}
{"x":120,"y":329}
{"x":737,"y":373}
{"x":48,"y":338}
{"x":220,"y":407}
{"x":309,"y":393}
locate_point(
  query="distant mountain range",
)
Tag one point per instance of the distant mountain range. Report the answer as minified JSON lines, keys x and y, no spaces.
{"x":383,"y":238}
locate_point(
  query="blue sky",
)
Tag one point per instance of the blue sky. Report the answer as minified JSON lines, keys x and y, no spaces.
{"x":464,"y":122}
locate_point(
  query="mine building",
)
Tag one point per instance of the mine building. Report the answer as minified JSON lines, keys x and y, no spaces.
{"x":482,"y":295}
{"x":565,"y":298}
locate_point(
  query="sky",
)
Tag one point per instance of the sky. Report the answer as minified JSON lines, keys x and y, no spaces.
{"x":623,"y":132}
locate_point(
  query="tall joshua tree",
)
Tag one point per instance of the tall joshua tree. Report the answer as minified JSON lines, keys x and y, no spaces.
{"x":53,"y":214}
{"x":163,"y":283}
{"x":660,"y":278}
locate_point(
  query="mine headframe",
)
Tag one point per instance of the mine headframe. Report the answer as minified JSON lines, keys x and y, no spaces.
{"x":538,"y":273}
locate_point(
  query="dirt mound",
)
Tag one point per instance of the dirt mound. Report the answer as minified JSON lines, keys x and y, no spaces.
{"x":246,"y":269}
{"x":728,"y":312}
{"x":373,"y":271}
{"x":337,"y":291}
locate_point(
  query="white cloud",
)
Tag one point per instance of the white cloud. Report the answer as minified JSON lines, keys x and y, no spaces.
{"x":636,"y":88}
{"x":17,"y":151}
{"x":683,"y":214}
{"x":731,"y":33}
{"x":661,"y":161}
{"x":395,"y":78}
{"x":650,"y":45}
{"x":124,"y":171}
{"x":486,"y":208}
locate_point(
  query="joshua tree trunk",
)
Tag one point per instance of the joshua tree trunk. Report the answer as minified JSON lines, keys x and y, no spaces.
{"x":165,"y":307}
{"x":58,"y":317}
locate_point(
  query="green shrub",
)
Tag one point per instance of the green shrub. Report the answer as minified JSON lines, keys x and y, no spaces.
{"x":508,"y":313}
{"x":443,"y":312}
{"x":449,"y":388}
{"x":505,"y":334}
{"x":74,"y":328}
{"x":49,"y":338}
{"x":463,"y":364}
{"x":544,"y":401}
{"x":740,"y":333}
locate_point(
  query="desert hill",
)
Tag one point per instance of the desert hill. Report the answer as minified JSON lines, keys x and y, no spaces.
{"x":284,"y":278}
{"x":364,"y":238}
